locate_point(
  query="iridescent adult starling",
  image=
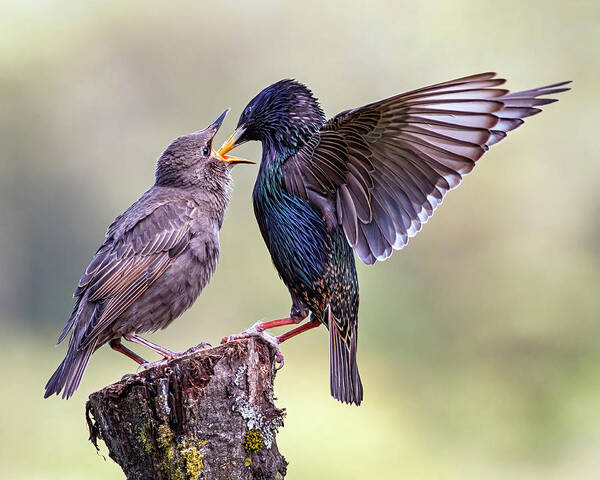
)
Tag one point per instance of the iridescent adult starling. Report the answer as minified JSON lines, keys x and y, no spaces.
{"x":366,"y":180}
{"x":156,"y":258}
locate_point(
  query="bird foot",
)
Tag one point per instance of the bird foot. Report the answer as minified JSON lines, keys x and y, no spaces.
{"x":200,"y":346}
{"x":156,"y":363}
{"x":162,"y":361}
{"x":256,"y":331}
{"x":172,"y":356}
{"x":149,"y":365}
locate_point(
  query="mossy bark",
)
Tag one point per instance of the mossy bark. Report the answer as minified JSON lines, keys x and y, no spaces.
{"x":206,"y":415}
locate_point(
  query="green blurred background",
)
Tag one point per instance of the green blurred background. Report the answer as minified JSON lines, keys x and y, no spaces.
{"x":479,"y":341}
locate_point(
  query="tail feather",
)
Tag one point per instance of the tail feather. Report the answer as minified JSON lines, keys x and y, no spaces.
{"x":70,"y":322}
{"x":67,"y":376}
{"x":345,"y":382}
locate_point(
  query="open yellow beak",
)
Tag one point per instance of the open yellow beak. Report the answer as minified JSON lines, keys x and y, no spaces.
{"x":229,"y":145}
{"x":220,"y":155}
{"x":230,"y":158}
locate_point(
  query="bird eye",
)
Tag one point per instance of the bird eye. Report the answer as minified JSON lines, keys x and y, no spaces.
{"x":205,"y":151}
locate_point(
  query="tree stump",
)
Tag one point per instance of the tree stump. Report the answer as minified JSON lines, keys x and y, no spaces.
{"x":208,"y":414}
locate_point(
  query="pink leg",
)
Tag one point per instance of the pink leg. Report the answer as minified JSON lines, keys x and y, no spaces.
{"x":260,"y":327}
{"x":168,"y":354}
{"x":298,"y":330}
{"x":117,"y":346}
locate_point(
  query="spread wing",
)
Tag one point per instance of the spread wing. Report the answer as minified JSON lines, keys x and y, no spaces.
{"x":133,"y":256}
{"x":382,"y":169}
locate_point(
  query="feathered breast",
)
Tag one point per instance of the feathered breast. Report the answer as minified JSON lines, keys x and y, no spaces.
{"x":292,"y":228}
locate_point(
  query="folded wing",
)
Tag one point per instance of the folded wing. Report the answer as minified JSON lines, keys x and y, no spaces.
{"x":124,"y":267}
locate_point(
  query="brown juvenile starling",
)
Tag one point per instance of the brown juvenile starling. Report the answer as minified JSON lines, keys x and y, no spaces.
{"x":364,"y":181}
{"x":155,"y":260}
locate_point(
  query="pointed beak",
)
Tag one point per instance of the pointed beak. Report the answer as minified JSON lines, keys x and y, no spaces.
{"x":214,"y":127}
{"x":230,"y":144}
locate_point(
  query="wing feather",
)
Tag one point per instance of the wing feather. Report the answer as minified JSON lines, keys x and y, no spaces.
{"x":130,"y":261}
{"x":385,"y":167}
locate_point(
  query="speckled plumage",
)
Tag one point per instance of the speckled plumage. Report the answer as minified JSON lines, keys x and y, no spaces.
{"x":366,"y":180}
{"x":156,"y":258}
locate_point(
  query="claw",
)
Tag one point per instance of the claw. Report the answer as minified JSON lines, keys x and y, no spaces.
{"x":149,"y":365}
{"x":256,"y":331}
{"x":279,"y":359}
{"x":200,"y":346}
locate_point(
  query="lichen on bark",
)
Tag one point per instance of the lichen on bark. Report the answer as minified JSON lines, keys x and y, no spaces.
{"x":209,"y":414}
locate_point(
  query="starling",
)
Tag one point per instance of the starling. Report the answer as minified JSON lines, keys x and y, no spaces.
{"x":365,"y":180}
{"x":155,"y":260}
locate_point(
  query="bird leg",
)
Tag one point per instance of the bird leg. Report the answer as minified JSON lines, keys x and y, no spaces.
{"x":258,"y":330}
{"x":298,"y":330}
{"x":117,"y":346}
{"x":168,"y":354}
{"x":162,"y":361}
{"x":262,"y":326}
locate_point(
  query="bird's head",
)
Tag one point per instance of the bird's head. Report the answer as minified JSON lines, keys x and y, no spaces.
{"x":190,"y":160}
{"x":282,"y":116}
